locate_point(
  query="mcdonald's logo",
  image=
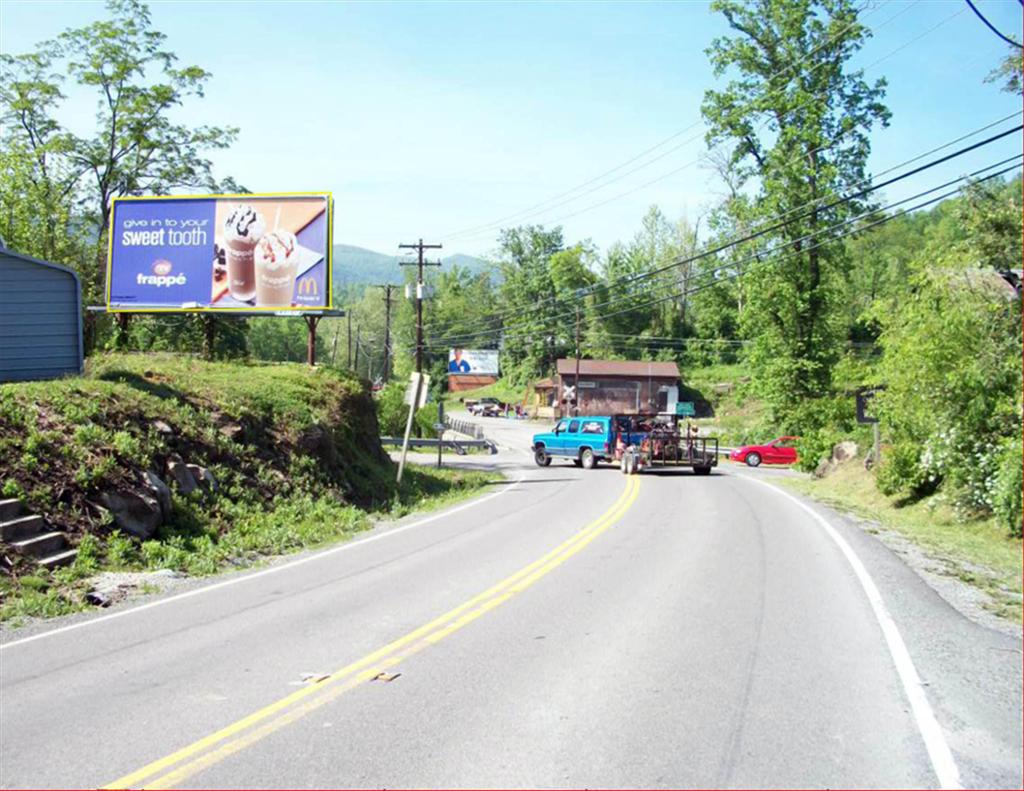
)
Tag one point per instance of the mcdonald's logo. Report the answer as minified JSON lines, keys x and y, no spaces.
{"x":309,"y":287}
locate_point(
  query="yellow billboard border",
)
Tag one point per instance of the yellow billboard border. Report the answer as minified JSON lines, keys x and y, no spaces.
{"x":252,"y":310}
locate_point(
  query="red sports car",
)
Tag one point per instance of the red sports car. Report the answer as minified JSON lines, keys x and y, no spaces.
{"x":778,"y":451}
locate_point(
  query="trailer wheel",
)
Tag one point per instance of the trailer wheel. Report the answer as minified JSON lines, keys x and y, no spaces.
{"x":624,"y":464}
{"x":540,"y":456}
{"x":587,"y":459}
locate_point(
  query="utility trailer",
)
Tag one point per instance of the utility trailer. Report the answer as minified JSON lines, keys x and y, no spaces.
{"x":656,"y":441}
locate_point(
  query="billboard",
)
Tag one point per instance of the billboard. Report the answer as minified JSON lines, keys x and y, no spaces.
{"x":482,"y":362}
{"x":220,"y":253}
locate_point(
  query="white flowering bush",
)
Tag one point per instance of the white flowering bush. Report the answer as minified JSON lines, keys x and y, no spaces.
{"x":952,"y":366}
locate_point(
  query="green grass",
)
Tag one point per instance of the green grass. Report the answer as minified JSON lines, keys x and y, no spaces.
{"x":294,"y":450}
{"x":738,"y":416}
{"x":978,"y":552}
{"x":503,"y":390}
{"x":196,"y":547}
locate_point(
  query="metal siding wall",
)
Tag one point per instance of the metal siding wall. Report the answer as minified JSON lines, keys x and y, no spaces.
{"x":39,"y":321}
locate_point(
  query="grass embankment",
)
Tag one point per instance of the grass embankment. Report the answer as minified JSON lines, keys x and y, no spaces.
{"x":294,"y":452}
{"x":738,"y":416}
{"x":978,"y":551}
{"x":503,"y":390}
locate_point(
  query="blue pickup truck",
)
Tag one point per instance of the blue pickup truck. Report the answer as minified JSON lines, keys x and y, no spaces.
{"x":585,"y":440}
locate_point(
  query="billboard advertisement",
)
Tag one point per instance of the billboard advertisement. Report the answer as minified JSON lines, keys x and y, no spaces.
{"x":220,"y":253}
{"x":481,"y":362}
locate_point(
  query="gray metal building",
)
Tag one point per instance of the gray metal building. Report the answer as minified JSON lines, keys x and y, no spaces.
{"x":40,"y":319}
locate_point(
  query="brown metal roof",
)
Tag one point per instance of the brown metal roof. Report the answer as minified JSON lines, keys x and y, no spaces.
{"x":633,"y":368}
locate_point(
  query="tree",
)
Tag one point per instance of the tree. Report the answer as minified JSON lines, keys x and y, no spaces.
{"x":1009,"y":72}
{"x":796,"y":121}
{"x":56,"y":187}
{"x":37,"y":181}
{"x":531,"y":344}
{"x":137,"y":149}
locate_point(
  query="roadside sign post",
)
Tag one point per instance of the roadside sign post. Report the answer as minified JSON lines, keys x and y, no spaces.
{"x":415,"y":397}
{"x":864,"y":398}
{"x":440,"y":431}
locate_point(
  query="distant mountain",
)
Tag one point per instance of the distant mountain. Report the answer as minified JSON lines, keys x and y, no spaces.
{"x":357,"y":266}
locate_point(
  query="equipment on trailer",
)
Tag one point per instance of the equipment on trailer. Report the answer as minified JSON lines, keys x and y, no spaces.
{"x":659,"y":441}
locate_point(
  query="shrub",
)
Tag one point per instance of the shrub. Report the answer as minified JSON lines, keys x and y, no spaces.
{"x":1008,"y":486}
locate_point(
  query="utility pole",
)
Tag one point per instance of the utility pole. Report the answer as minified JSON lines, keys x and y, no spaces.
{"x":419,"y":264}
{"x":349,"y":366}
{"x":576,"y":407}
{"x":356,"y":369}
{"x":387,"y":329}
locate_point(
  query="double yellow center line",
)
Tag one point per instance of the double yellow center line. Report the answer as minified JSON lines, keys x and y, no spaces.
{"x":175,"y":768}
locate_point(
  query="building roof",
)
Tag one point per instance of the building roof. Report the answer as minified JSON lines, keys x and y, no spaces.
{"x":5,"y":250}
{"x":545,"y":384}
{"x":632,"y":368}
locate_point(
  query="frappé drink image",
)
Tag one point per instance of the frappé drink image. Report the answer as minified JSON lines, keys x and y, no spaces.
{"x":276,"y":261}
{"x":243,"y":229}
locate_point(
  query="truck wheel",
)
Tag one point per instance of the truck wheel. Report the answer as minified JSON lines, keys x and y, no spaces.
{"x":587,"y":458}
{"x":753,"y":459}
{"x":541,"y":457}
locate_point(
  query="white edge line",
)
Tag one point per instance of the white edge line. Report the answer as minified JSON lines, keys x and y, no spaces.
{"x":931,"y":732}
{"x":274,"y":569}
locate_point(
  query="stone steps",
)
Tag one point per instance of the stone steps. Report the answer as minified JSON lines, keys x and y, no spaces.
{"x":21,"y":527}
{"x":9,"y":508}
{"x":42,"y":546}
{"x":29,"y":535}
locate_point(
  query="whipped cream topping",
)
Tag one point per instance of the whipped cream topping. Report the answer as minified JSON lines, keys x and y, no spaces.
{"x":276,"y":250}
{"x":244,"y":222}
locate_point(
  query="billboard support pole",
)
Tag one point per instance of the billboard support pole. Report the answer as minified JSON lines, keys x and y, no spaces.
{"x":311,"y":323}
{"x":209,"y":335}
{"x":123,"y":320}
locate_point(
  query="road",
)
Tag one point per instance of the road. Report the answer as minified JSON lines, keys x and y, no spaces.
{"x":570,"y":628}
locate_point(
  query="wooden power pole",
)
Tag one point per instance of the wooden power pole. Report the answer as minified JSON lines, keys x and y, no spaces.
{"x":576,"y":382}
{"x":419,"y":264}
{"x":388,"y":288}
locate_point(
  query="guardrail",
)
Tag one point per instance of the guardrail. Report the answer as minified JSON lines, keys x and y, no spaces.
{"x":466,"y":427}
{"x":457,"y":445}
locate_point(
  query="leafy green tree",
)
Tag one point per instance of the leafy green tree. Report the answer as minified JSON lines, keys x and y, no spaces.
{"x":531,"y":344}
{"x":56,"y":187}
{"x":952,"y":365}
{"x":1009,"y":72}
{"x":796,"y":120}
{"x":137,"y":149}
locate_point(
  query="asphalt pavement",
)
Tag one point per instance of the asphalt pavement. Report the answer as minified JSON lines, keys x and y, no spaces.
{"x":569,"y":628}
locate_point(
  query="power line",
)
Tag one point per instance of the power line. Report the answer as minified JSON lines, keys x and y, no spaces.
{"x":537,"y":208}
{"x":810,"y":204}
{"x":758,"y":257}
{"x":632,"y":279}
{"x":992,"y":27}
{"x":489,"y":228}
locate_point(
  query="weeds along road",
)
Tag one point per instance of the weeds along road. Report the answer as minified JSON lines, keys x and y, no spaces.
{"x":574,"y":628}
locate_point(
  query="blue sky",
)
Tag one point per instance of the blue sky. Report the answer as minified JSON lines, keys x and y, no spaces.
{"x":426,"y":119}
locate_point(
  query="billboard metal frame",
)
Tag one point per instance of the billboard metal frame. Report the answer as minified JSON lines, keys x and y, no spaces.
{"x":329,"y":258}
